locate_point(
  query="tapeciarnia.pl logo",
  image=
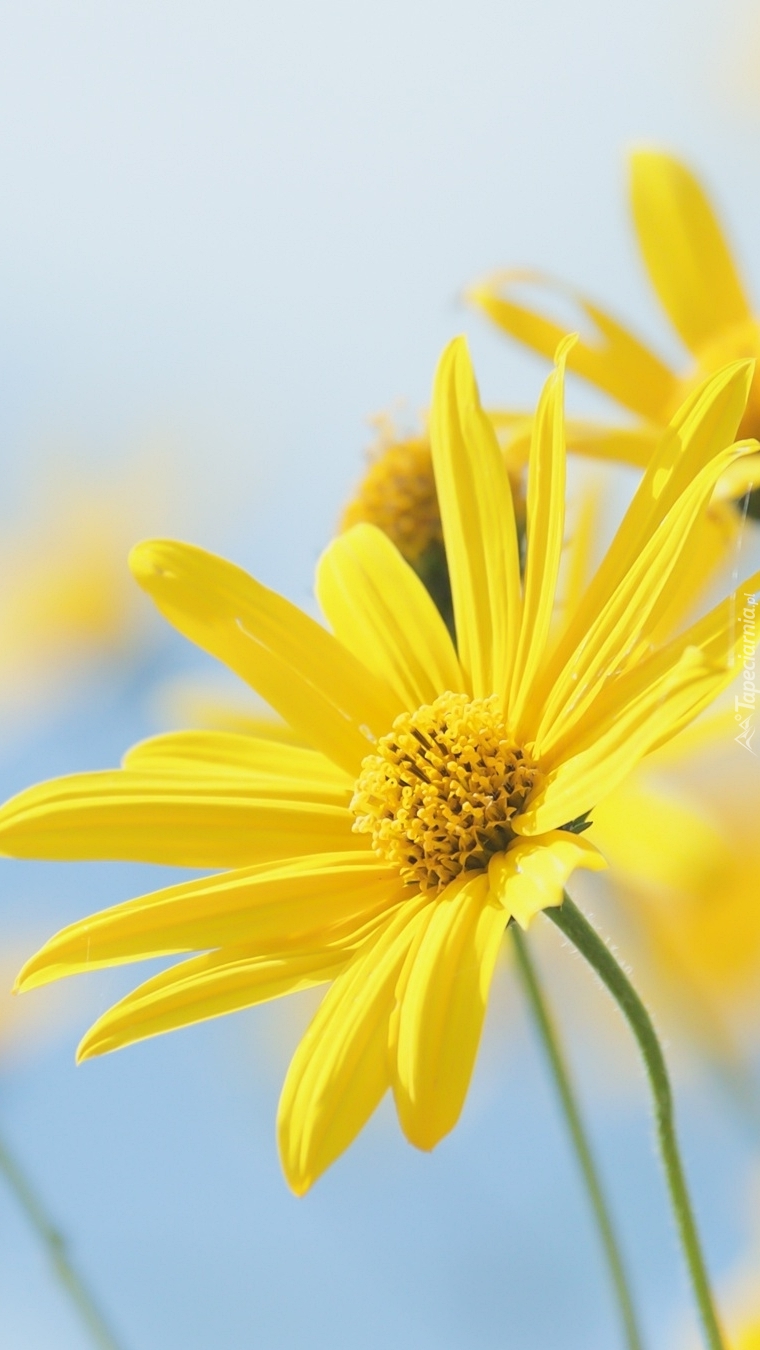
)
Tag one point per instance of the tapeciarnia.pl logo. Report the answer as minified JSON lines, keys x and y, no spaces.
{"x":745,"y":703}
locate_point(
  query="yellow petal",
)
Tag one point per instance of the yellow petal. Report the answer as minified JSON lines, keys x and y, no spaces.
{"x":478,"y":526}
{"x":322,"y":691}
{"x":595,"y":440}
{"x":266,"y":766}
{"x":183,"y":819}
{"x":703,"y":427}
{"x":545,"y":526}
{"x":207,"y":703}
{"x":614,"y":745}
{"x":208,"y":986}
{"x":623,"y":445}
{"x":379,"y":609}
{"x":708,"y":734}
{"x":722,"y":638}
{"x":442,"y":1006}
{"x":340,"y":1070}
{"x":321,"y":899}
{"x":583,"y":539}
{"x":684,"y":249}
{"x":716,"y":532}
{"x":648,"y":836}
{"x":628,"y":619}
{"x":740,"y":478}
{"x":612,"y":359}
{"x":533,"y":873}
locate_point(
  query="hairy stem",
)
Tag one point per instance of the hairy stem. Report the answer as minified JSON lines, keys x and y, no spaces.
{"x":578,"y":930}
{"x":556,"y":1059}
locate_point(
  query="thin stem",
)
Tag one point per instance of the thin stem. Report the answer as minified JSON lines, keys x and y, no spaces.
{"x":55,"y":1244}
{"x":556,"y":1059}
{"x":579,"y":931}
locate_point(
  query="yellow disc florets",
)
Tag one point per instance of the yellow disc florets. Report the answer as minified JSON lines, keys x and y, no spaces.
{"x":440,"y":792}
{"x":398,"y":495}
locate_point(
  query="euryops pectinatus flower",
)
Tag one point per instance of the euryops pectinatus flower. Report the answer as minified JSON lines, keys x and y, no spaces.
{"x":441,"y":791}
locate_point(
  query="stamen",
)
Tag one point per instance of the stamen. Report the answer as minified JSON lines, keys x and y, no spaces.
{"x":398,"y":495}
{"x":441,"y":789}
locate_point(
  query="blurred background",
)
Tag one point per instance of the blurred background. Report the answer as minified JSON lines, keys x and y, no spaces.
{"x":229,"y":234}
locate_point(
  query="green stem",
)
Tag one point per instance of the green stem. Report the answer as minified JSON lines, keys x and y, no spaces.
{"x":579,"y":931}
{"x":555,"y":1056}
{"x":55,"y":1244}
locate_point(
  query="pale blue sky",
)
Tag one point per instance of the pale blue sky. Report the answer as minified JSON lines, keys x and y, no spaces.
{"x":240,"y":230}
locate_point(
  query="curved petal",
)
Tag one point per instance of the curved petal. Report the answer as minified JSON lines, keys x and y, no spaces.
{"x":629,"y":618}
{"x":379,"y":609}
{"x":266,"y":766}
{"x":442,"y":1001}
{"x":320,"y":689}
{"x":578,"y":561}
{"x":720,"y":637}
{"x":208,"y":705}
{"x":684,"y":249}
{"x":340,"y":1072}
{"x":544,"y":528}
{"x":322,"y":899}
{"x":183,"y":819}
{"x":613,"y":745}
{"x":208,"y":986}
{"x":701,"y":430}
{"x":533,"y":873}
{"x":595,"y":440}
{"x":612,"y":359}
{"x":478,"y":526}
{"x":623,"y":445}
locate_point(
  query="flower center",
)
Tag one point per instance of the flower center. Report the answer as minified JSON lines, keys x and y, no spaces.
{"x":440,"y":792}
{"x":398,"y":495}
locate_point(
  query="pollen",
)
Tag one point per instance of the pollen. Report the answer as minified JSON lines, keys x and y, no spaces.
{"x":440,"y":792}
{"x":398,"y":495}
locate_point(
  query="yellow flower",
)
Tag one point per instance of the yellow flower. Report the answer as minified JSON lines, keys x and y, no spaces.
{"x":398,"y":495}
{"x":66,"y":595}
{"x":681,"y":841}
{"x":747,"y":1337}
{"x":695,"y":278}
{"x":442,"y":791}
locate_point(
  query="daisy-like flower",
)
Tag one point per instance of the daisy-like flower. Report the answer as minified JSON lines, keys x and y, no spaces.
{"x":692,"y":270}
{"x":65,"y":602}
{"x":443,"y":788}
{"x":397,"y":494}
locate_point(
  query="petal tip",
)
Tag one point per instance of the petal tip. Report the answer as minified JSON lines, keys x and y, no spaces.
{"x":144,"y":559}
{"x":88,"y":1048}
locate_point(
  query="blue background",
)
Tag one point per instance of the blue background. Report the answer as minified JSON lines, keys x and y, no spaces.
{"x":237,"y":230}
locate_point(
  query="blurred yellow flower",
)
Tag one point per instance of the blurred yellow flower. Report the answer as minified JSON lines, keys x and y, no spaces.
{"x":747,"y":1337}
{"x":682,"y":843}
{"x":397,"y":493}
{"x":66,"y":595}
{"x":446,"y":788}
{"x":693,"y":273}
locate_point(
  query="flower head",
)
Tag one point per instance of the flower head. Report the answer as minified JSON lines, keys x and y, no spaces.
{"x":695,"y":278}
{"x":438,"y":790}
{"x":397,"y":494}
